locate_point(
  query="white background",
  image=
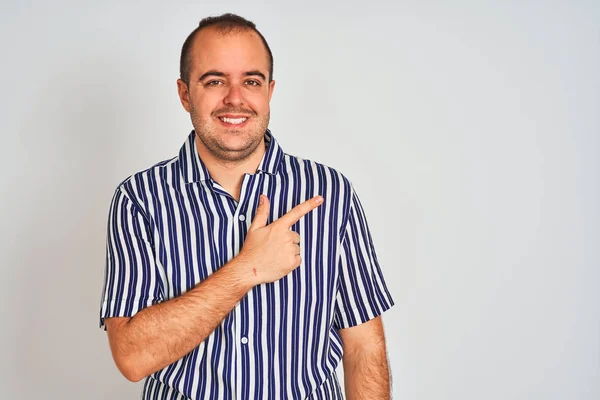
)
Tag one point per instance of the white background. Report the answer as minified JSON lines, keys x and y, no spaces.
{"x":470,"y":130}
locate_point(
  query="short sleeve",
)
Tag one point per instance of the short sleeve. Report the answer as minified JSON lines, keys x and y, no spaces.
{"x":130,"y":279}
{"x":362,"y":292}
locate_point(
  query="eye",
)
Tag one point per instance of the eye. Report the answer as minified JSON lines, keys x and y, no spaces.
{"x":253,"y":82}
{"x":213,"y":83}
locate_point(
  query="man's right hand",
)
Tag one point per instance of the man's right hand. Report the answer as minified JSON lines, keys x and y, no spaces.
{"x":272,"y":251}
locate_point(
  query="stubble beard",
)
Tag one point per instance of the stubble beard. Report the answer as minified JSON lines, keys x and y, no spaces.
{"x":208,"y":133}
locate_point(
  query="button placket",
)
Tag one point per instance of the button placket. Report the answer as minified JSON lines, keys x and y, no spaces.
{"x":240,"y":330}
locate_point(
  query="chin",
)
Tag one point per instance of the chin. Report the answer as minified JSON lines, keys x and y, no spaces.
{"x":235,"y":140}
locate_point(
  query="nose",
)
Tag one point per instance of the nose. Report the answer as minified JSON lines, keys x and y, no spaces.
{"x":234,"y":96}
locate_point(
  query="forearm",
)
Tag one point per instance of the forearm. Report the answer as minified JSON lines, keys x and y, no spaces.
{"x":163,"y":333}
{"x":366,"y":374}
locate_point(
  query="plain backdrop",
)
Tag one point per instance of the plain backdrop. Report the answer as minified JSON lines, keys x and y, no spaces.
{"x":470,"y":130}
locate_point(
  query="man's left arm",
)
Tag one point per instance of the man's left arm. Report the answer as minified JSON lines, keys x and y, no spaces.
{"x":362,"y":297}
{"x":366,"y":370}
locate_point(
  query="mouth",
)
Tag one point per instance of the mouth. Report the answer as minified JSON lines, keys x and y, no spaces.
{"x":233,"y":121}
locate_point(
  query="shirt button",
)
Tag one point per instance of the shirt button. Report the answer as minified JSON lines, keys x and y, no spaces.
{"x":242,"y":218}
{"x":244,"y":340}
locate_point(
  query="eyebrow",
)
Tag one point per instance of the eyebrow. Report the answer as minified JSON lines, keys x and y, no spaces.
{"x":219,"y":73}
{"x":256,"y":73}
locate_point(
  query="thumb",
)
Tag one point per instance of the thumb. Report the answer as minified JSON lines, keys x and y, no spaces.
{"x":262,"y":214}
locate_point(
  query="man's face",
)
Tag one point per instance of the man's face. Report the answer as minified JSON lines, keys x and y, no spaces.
{"x":229,"y":93}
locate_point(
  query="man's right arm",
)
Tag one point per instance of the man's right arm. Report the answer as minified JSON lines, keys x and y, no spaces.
{"x":163,"y":333}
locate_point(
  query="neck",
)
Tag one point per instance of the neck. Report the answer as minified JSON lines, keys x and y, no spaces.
{"x":230,"y":174}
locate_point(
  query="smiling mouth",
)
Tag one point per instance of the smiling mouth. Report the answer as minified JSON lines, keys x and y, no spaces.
{"x":234,"y":121}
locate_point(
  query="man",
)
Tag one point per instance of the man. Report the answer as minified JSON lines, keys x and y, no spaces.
{"x":235,"y":270}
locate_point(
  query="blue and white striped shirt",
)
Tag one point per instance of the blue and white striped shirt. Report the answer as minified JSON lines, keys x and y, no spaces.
{"x":172,"y":225}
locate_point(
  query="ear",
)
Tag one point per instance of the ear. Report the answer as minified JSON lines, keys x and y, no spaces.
{"x":271,"y":88}
{"x":184,"y":94}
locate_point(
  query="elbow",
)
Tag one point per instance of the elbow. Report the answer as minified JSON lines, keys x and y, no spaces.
{"x":130,"y":369}
{"x":128,"y":358}
{"x":133,"y":377}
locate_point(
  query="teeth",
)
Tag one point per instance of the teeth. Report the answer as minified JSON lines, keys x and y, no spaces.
{"x":234,"y":120}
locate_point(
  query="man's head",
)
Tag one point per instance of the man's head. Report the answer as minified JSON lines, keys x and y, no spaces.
{"x":226,"y":85}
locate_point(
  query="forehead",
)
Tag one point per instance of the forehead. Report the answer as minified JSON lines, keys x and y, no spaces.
{"x":231,"y":52}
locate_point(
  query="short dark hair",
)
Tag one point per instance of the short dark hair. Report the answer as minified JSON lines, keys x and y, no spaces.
{"x":224,"y":23}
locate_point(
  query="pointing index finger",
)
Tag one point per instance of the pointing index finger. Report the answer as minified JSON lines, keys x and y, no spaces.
{"x":292,"y":216}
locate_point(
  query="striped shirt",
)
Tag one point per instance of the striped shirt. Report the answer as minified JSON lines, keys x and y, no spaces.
{"x":172,"y":225}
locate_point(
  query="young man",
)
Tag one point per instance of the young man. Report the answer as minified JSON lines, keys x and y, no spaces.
{"x":235,"y":270}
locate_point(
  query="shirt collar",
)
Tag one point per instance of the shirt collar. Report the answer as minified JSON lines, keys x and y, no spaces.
{"x":193,"y":168}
